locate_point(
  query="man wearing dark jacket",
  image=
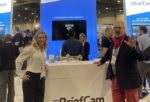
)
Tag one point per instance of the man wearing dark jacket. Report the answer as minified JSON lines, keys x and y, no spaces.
{"x":123,"y":56}
{"x":72,"y":46}
{"x":17,"y":38}
{"x":8,"y":54}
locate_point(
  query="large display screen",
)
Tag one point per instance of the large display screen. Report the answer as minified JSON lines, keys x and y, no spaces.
{"x":5,"y":17}
{"x":135,"y":30}
{"x":60,"y":28}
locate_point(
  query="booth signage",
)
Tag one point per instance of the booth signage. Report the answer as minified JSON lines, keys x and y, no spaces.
{"x":58,"y":16}
{"x":137,"y":14}
{"x":5,"y":17}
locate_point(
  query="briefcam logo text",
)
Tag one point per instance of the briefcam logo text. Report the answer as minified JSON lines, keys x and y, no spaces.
{"x":82,"y":99}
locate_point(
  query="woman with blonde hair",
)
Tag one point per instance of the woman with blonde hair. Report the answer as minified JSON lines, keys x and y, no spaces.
{"x":35,"y":55}
{"x":107,"y":39}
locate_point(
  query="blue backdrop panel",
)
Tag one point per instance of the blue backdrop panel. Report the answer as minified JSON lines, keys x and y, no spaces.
{"x":69,"y":10}
{"x":136,"y":20}
{"x":4,"y":24}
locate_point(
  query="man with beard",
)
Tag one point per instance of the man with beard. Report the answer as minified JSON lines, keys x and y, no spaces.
{"x":123,"y":55}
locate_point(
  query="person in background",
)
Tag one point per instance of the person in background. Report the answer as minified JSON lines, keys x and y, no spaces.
{"x":18,"y":38}
{"x":34,"y":76}
{"x":107,"y":39}
{"x":124,"y":74}
{"x":72,"y":46}
{"x":86,"y":46}
{"x":144,"y":66}
{"x":8,"y":55}
{"x":27,"y":37}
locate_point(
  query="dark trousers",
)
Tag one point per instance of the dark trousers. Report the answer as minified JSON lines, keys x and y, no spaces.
{"x":144,"y":70}
{"x":41,"y":91}
{"x":33,"y":89}
{"x":7,"y":82}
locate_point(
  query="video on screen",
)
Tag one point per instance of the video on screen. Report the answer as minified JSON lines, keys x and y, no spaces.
{"x":60,"y":28}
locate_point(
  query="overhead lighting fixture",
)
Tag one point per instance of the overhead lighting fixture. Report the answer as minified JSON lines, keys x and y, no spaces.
{"x":14,"y":1}
{"x":120,"y":10}
{"x":37,"y":26}
{"x":19,"y":15}
{"x":118,"y":1}
{"x":106,"y":8}
{"x":25,"y":18}
{"x":32,"y":13}
{"x":26,"y":8}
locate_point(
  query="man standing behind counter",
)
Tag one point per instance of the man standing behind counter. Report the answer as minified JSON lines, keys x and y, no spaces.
{"x":72,"y":46}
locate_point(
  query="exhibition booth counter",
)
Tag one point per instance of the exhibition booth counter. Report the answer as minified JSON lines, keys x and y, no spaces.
{"x":77,"y":81}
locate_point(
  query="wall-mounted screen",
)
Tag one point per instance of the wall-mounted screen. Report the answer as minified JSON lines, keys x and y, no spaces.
{"x":60,"y":28}
{"x":135,"y":30}
{"x":2,"y":31}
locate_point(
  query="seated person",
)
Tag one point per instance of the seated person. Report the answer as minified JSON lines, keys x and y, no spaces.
{"x":72,"y":46}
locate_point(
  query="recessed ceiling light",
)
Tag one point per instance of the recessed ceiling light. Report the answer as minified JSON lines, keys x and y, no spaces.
{"x":32,"y":13}
{"x":120,"y":10}
{"x":106,"y":8}
{"x":26,"y":8}
{"x":118,"y":1}
{"x":14,"y":1}
{"x":19,"y":15}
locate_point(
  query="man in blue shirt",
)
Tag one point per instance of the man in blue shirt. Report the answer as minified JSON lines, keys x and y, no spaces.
{"x":72,"y":46}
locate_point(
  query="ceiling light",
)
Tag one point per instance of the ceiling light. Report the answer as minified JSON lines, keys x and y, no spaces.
{"x":106,"y":8}
{"x":14,"y":1}
{"x":37,"y":26}
{"x":32,"y":13}
{"x":19,"y":15}
{"x":120,"y":10}
{"x":26,"y":8}
{"x":118,"y":1}
{"x":25,"y":18}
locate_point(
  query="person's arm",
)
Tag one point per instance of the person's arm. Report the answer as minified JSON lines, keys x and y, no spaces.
{"x":134,"y":52}
{"x":87,"y":48}
{"x":27,"y":52}
{"x":105,"y":49}
{"x":63,"y":50}
{"x":140,"y":43}
{"x":105,"y":44}
{"x":106,"y":57}
{"x":16,"y":51}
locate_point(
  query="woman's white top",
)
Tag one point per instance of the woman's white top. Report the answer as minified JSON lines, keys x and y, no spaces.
{"x":36,"y":60}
